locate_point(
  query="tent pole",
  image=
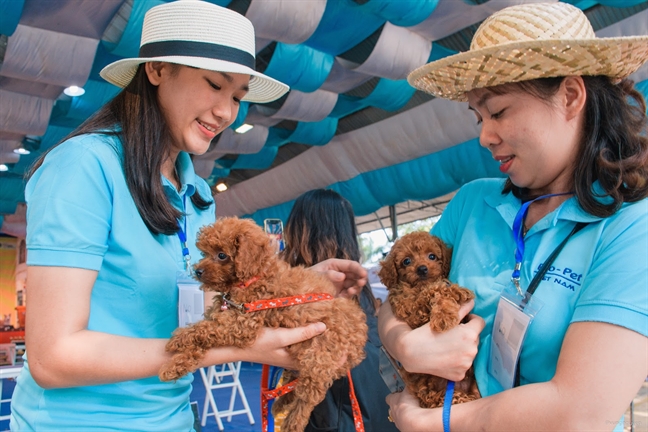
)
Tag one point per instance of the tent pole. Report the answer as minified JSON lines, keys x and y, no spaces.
{"x":394,"y":222}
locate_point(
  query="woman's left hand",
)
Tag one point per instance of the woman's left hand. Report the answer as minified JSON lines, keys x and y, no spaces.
{"x":348,"y":276}
{"x":407,"y":414}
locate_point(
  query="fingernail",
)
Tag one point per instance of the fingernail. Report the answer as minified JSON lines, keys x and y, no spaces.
{"x":320,"y":327}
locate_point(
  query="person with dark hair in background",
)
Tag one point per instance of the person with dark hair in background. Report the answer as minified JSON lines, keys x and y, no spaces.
{"x":321,"y":226}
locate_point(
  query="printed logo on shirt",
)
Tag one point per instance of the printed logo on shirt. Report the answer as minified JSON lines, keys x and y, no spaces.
{"x":564,"y":276}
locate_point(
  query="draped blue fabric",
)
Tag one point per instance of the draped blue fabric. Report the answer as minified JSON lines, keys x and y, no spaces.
{"x":621,"y":3}
{"x":11,"y":193}
{"x":344,"y":25}
{"x":315,"y":133}
{"x":278,"y":137}
{"x":128,"y":45}
{"x":240,"y":117}
{"x":439,"y":51}
{"x":301,"y":67}
{"x":10,"y":13}
{"x":390,"y":95}
{"x":399,"y":12}
{"x":422,"y":178}
{"x":260,"y":160}
{"x":96,"y":95}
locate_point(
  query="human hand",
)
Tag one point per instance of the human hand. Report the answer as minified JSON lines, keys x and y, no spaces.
{"x":348,"y":276}
{"x":407,"y":414}
{"x":270,"y":345}
{"x":448,"y":355}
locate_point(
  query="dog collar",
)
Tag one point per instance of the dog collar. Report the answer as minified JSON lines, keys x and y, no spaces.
{"x":249,"y":282}
{"x":260,"y":305}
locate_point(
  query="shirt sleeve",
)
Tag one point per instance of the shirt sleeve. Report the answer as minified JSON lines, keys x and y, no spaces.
{"x":69,"y":204}
{"x":616,"y":286}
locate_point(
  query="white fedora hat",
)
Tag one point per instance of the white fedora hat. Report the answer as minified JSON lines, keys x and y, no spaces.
{"x":202,"y":35}
{"x":530,"y":41}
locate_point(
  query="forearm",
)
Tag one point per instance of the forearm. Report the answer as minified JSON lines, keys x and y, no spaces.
{"x":546,"y":407}
{"x":90,"y":358}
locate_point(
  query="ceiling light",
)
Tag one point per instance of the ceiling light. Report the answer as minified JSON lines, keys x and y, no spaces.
{"x":221,"y":187}
{"x":4,"y":167}
{"x":243,"y":128}
{"x":21,"y":151}
{"x":74,"y":91}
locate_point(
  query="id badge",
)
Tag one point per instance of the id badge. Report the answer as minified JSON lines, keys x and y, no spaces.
{"x":191,"y":300}
{"x":509,"y":330}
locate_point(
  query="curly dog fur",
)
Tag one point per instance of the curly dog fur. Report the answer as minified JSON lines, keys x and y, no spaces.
{"x":237,"y":251}
{"x":415,"y":272}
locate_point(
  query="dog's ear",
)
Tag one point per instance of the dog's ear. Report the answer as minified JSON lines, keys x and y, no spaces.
{"x":254,"y":252}
{"x":388,"y":273}
{"x":447,"y":259}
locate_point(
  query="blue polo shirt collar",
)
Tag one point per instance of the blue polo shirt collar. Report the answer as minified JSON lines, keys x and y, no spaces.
{"x":508,"y":205}
{"x":187,"y":176}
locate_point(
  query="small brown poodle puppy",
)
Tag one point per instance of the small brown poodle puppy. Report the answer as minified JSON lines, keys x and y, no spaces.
{"x":242,"y":266}
{"x":415,"y":272}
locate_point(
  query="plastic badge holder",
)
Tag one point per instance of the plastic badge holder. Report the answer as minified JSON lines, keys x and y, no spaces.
{"x":274,"y":229}
{"x":388,"y":368}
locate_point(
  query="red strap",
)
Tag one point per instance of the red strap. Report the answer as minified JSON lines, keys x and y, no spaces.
{"x":269,"y":394}
{"x":355,"y":407}
{"x":285,"y":301}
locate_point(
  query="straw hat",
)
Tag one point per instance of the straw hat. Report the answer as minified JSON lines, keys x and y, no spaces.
{"x":202,"y":35}
{"x":531,"y":41}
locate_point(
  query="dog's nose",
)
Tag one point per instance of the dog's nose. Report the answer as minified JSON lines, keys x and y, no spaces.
{"x":422,"y":270}
{"x":198,"y":273}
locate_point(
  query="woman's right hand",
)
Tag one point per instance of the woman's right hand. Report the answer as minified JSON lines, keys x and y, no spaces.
{"x":448,"y":355}
{"x":270,"y":346}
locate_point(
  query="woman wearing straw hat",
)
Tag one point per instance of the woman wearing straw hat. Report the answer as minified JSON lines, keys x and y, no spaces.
{"x":556,"y":253}
{"x":113,"y":213}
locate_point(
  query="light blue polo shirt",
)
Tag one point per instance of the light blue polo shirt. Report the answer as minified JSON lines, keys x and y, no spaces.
{"x":81,"y":214}
{"x":601,"y":274}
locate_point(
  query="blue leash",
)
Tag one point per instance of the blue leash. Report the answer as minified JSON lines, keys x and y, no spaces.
{"x":447,"y":404}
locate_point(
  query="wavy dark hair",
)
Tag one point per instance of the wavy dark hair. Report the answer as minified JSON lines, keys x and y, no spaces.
{"x":614,"y":143}
{"x":144,"y":136}
{"x":321,"y":225}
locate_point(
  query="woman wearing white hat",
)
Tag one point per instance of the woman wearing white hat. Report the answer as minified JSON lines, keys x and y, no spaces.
{"x":556,"y":253}
{"x":113,"y":213}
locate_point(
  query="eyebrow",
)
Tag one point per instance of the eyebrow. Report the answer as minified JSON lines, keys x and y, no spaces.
{"x":482,"y":100}
{"x":230,"y":78}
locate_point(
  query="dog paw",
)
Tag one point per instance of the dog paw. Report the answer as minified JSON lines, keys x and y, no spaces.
{"x":441,"y":323}
{"x":170,"y":373}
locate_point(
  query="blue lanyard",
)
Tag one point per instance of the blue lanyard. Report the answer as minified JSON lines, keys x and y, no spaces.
{"x":518,"y":237}
{"x":182,"y":235}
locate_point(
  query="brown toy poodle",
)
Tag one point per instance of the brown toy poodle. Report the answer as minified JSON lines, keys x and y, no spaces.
{"x":241,"y":265}
{"x":415,"y":272}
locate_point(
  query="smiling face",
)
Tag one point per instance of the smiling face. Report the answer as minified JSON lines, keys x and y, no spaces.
{"x":535,"y":141}
{"x":197,"y":104}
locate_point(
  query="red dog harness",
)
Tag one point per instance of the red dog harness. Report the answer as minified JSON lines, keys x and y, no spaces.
{"x":269,"y":394}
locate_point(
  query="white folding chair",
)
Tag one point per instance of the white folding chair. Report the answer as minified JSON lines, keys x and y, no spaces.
{"x":227,"y":377}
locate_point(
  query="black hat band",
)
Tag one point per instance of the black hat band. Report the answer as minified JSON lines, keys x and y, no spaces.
{"x":197,"y":49}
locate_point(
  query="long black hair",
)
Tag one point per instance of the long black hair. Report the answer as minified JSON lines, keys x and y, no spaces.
{"x":321,"y":225}
{"x":614,"y":144}
{"x":144,"y":135}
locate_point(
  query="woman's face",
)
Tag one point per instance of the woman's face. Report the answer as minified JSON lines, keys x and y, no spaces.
{"x":197,"y":104}
{"x":535,"y":141}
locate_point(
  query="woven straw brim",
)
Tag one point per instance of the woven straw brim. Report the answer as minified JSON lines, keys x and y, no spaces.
{"x":453,"y":76}
{"x":263,"y":89}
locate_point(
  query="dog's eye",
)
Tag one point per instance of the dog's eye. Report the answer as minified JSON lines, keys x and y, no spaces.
{"x":407,"y":261}
{"x":221,"y":256}
{"x":432,"y":257}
